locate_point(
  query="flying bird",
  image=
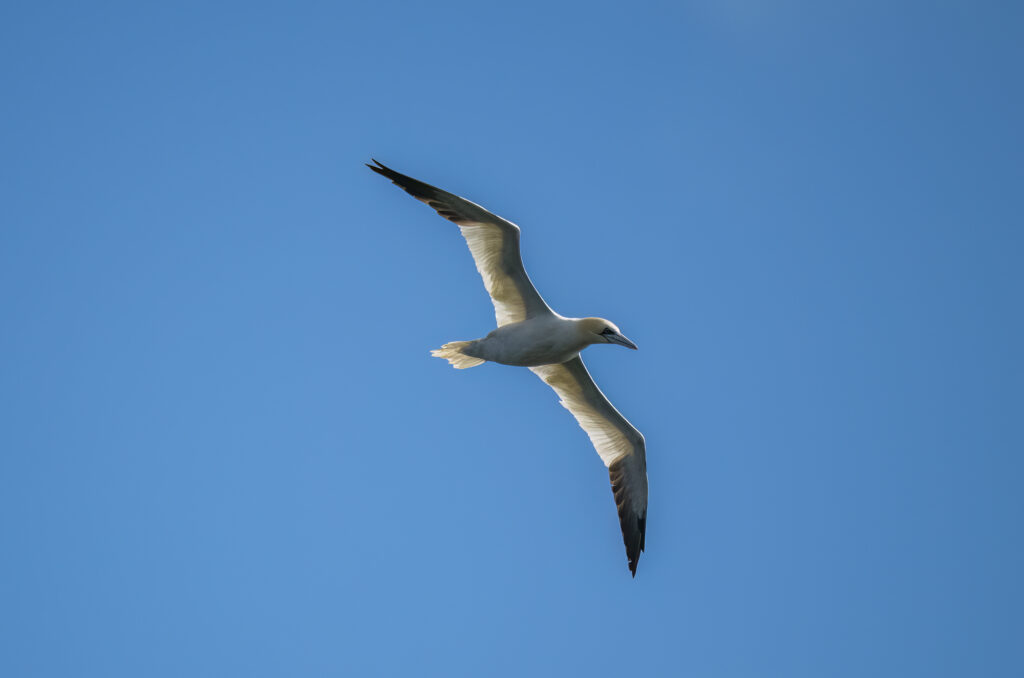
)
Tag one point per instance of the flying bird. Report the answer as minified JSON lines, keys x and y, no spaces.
{"x":530,"y":334}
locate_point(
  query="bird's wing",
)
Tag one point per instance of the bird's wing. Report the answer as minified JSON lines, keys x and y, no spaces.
{"x":620,"y":446}
{"x":494,"y":243}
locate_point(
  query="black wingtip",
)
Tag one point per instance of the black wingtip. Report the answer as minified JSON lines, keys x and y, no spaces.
{"x":384,"y":170}
{"x":634,"y":525}
{"x":634,"y":557}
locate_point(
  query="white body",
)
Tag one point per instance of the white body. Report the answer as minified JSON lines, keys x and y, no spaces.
{"x":544,"y":340}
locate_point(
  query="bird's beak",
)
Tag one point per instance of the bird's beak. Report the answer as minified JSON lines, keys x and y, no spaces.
{"x":620,"y":340}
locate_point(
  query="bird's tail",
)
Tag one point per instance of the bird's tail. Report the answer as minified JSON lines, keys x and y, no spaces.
{"x":454,"y":353}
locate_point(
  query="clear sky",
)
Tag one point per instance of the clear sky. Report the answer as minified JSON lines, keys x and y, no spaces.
{"x":226,"y":450}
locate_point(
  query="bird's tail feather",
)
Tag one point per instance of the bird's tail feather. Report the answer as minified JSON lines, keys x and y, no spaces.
{"x":453,"y":353}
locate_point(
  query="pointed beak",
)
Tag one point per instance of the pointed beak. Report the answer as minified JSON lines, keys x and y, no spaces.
{"x":620,"y":340}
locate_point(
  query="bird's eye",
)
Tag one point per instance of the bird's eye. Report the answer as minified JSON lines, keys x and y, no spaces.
{"x":608,"y":330}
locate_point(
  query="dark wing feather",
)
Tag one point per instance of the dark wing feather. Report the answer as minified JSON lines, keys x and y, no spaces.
{"x":625,"y":476}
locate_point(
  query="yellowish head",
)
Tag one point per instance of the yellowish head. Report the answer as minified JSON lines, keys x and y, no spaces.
{"x":601,"y":331}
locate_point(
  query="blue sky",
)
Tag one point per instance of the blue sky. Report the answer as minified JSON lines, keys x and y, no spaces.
{"x":227,"y":451}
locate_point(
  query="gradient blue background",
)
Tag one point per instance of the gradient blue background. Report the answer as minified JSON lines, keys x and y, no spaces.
{"x":227,"y":452}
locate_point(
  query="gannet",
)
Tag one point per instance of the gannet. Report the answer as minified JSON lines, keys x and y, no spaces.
{"x":530,"y":334}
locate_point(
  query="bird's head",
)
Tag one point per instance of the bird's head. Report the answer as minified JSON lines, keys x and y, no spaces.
{"x":601,"y":331}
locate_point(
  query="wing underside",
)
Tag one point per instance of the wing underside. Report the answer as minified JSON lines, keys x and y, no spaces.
{"x":493,"y":242}
{"x":620,"y":446}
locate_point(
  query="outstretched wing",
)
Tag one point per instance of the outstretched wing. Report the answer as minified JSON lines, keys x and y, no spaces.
{"x":620,"y":446}
{"x":493,"y":242}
